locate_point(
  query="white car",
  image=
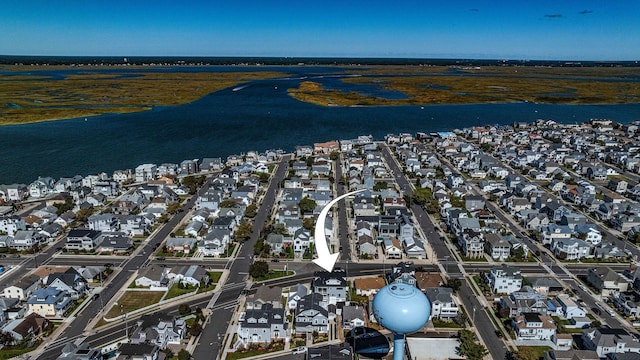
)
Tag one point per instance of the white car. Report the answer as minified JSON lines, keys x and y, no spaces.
{"x":612,"y":313}
{"x":299,"y":350}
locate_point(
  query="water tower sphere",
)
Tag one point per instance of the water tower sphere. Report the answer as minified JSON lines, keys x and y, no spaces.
{"x":401,"y":308}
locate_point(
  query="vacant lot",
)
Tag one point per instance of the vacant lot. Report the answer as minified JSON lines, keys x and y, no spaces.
{"x":133,"y":300}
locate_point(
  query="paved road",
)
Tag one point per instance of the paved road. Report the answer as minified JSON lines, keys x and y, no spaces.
{"x":478,"y":316}
{"x":343,"y":225}
{"x":209,"y":346}
{"x":480,"y":319}
{"x":76,"y":328}
{"x":433,"y":237}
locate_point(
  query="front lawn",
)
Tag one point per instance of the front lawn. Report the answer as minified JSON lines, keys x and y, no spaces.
{"x":176,"y":290}
{"x":274,"y":274}
{"x":134,"y":300}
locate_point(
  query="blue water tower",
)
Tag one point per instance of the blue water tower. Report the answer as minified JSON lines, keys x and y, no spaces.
{"x":403,"y":309}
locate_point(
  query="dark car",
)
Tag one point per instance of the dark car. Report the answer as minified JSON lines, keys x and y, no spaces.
{"x":161,"y":258}
{"x":275,"y":260}
{"x":95,"y":296}
{"x":499,"y":333}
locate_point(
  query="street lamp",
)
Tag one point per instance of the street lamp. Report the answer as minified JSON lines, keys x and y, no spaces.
{"x":126,"y":323}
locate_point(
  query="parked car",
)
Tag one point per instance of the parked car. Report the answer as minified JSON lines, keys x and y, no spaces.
{"x":299,"y":350}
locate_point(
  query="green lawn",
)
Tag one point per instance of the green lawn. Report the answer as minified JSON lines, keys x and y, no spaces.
{"x":133,"y":300}
{"x":176,"y":291}
{"x":12,"y":353}
{"x":274,"y":274}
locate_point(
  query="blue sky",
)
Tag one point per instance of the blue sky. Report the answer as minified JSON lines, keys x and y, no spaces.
{"x":532,"y":29}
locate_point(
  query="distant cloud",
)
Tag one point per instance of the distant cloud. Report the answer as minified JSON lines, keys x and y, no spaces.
{"x":553,"y":16}
{"x":585,"y":12}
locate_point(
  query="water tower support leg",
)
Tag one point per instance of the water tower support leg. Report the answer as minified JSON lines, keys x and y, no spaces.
{"x":398,"y":346}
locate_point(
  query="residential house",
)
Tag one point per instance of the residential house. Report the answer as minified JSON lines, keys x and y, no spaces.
{"x":311,"y":315}
{"x":533,"y":326}
{"x":497,"y":247}
{"x":192,"y":275}
{"x":10,"y":224}
{"x":69,"y":281}
{"x":153,"y":277}
{"x":23,"y":288}
{"x":443,"y":305}
{"x":366,"y":246}
{"x":526,"y":300}
{"x":295,"y":294}
{"x":605,"y":341}
{"x":28,"y":329}
{"x":403,"y":273}
{"x":628,"y":303}
{"x":331,"y":285}
{"x":606,"y":281}
{"x":83,"y":239}
{"x":41,"y":187}
{"x":368,"y":286}
{"x":471,"y":243}
{"x":50,"y":302}
{"x":138,"y":352}
{"x":159,"y":329}
{"x":180,"y":244}
{"x":134,"y":225}
{"x":27,"y":240}
{"x":353,"y":316}
{"x":262,"y":325}
{"x":555,"y":232}
{"x":265,"y":295}
{"x":214,"y":243}
{"x":413,"y":248}
{"x":570,"y":249}
{"x":392,"y":248}
{"x":504,"y":279}
{"x":569,"y":307}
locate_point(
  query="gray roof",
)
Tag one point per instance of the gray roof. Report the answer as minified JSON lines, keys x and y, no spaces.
{"x":440,"y":294}
{"x":351,"y":312}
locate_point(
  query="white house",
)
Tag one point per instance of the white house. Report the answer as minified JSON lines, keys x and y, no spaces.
{"x":504,"y":279}
{"x":533,"y":326}
{"x":443,"y":305}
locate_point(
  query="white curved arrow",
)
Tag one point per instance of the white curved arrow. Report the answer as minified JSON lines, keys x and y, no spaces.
{"x":327,"y":260}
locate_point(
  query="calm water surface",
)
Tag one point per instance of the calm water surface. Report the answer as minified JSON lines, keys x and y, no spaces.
{"x":260,"y":116}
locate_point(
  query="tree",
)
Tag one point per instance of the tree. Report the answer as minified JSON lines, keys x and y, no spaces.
{"x":83,"y":215}
{"x":380,"y":185}
{"x":469,"y":347}
{"x":258,"y":246}
{"x":6,"y":338}
{"x":195,"y":329}
{"x":174,"y":207}
{"x":454,"y":284}
{"x":524,"y":353}
{"x":308,"y":223}
{"x":259,"y":269}
{"x":421,"y":196}
{"x":334,"y":155}
{"x":243,"y":232}
{"x":229,"y":203}
{"x":307,"y":205}
{"x":66,"y":206}
{"x":251,"y":210}
{"x":193,"y":183}
{"x":184,"y":309}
